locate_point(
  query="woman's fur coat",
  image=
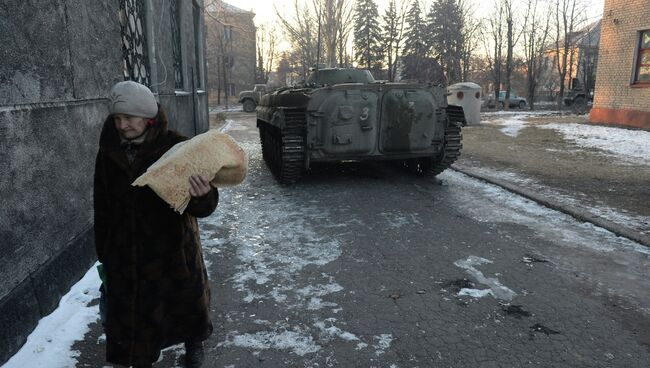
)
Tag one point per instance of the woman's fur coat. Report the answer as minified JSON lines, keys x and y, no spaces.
{"x":157,"y":291}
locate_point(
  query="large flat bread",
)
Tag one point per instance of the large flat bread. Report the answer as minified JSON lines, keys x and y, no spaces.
{"x":212,"y":154}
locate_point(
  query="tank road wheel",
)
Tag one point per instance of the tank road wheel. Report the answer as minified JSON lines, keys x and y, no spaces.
{"x":249,"y":105}
{"x":450,"y":151}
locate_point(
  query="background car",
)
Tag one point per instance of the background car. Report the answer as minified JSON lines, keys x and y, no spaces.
{"x":515,"y":100}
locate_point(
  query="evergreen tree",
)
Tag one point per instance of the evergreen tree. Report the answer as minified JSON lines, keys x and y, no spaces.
{"x":415,"y":47}
{"x":444,"y":26}
{"x":367,"y":36}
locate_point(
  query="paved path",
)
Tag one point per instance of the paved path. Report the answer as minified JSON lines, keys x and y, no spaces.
{"x":369,"y":266}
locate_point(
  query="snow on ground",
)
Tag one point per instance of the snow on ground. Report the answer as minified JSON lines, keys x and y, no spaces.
{"x":274,"y":241}
{"x":49,"y":345}
{"x":227,"y":125}
{"x":223,"y":108}
{"x":626,"y":144}
{"x":573,"y":199}
{"x":511,"y":127}
{"x":490,"y":203}
{"x":577,"y":247}
{"x":496,"y":289}
{"x":522,"y":113}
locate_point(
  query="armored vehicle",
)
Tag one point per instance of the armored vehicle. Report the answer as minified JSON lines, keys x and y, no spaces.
{"x":345,"y":115}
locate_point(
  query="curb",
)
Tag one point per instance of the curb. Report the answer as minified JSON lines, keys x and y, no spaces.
{"x":579,"y":215}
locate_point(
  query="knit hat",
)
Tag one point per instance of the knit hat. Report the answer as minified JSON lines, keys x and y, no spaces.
{"x":132,"y":98}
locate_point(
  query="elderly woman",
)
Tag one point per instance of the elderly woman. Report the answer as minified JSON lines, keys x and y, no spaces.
{"x":156,"y":287}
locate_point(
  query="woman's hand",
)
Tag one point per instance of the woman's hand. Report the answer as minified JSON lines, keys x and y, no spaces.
{"x":199,"y":186}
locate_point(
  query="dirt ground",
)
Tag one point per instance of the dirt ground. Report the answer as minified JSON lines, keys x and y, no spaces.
{"x":546,"y":156}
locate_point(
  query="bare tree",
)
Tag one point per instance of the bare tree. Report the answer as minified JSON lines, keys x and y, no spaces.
{"x":569,"y":15}
{"x":346,"y":25}
{"x":493,"y":42}
{"x":328,"y":39}
{"x":588,"y":56}
{"x":302,"y":34}
{"x":333,"y":15}
{"x":471,"y":29}
{"x":535,"y":36}
{"x":266,"y":51}
{"x":513,"y":35}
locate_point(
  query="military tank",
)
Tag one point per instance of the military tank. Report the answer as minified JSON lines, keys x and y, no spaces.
{"x":343,"y":114}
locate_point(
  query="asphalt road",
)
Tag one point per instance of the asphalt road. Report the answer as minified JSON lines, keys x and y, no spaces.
{"x":370,"y":266}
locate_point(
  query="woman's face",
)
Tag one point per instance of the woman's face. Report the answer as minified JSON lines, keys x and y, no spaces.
{"x":128,"y":126}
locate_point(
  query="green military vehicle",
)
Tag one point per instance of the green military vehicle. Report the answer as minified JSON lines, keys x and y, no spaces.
{"x":344,"y":114}
{"x":250,"y":99}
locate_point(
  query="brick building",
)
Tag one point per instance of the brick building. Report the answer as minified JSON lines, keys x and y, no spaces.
{"x":59,"y":61}
{"x":622,"y":94}
{"x":231,"y":49}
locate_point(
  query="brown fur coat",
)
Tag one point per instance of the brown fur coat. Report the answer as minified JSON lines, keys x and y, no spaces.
{"x":157,"y":289}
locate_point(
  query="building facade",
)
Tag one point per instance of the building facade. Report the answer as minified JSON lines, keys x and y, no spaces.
{"x":231,"y":49}
{"x":59,"y":61}
{"x":622,"y":93}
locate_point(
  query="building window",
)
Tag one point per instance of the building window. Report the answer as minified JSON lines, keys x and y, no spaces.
{"x":176,"y":44}
{"x":134,"y":43}
{"x":228,"y":61}
{"x":642,"y":74}
{"x":227,"y":32}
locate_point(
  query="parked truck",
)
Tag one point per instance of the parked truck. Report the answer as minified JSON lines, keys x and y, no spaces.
{"x":250,"y":99}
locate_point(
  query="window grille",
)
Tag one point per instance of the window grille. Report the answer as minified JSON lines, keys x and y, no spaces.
{"x":176,"y":44}
{"x":134,"y":43}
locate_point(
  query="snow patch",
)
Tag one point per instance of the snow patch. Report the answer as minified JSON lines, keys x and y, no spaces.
{"x":511,"y":127}
{"x":228,"y":125}
{"x":628,"y":145}
{"x":383,"y":342}
{"x":49,"y":345}
{"x":332,"y":331}
{"x":489,"y":203}
{"x":496,"y":288}
{"x":297,"y":342}
{"x":397,"y":220}
{"x":475,"y":293}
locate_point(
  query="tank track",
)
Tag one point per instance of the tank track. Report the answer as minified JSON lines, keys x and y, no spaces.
{"x":284,"y":149}
{"x":451,"y":150}
{"x":450,"y":153}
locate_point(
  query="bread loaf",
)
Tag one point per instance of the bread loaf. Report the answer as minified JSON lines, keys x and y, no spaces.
{"x":212,"y":154}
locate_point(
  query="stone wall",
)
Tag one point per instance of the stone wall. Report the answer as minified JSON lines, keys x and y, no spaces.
{"x":58,"y":64}
{"x":616,"y":100}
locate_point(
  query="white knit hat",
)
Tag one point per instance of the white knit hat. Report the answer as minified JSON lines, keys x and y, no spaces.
{"x":132,"y":98}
